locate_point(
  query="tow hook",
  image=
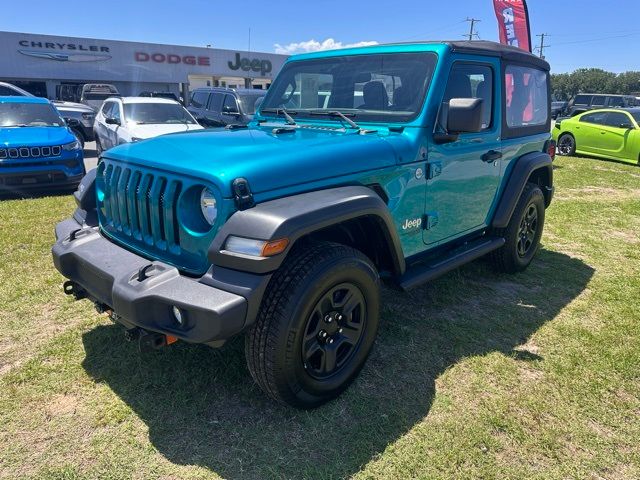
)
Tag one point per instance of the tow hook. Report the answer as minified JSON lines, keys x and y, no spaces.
{"x":148,"y":341}
{"x":71,"y":288}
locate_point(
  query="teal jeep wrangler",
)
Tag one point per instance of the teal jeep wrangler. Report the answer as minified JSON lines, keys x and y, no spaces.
{"x":394,"y":162}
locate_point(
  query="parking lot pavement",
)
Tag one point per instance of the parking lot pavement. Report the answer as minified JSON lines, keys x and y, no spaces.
{"x":90,"y":155}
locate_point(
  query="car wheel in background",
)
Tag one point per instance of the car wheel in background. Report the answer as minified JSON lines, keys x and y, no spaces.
{"x":566,"y":145}
{"x":79,"y":136}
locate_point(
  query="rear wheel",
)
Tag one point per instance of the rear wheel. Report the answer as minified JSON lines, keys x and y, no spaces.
{"x":316,"y":325}
{"x":522,"y":235}
{"x":566,"y":145}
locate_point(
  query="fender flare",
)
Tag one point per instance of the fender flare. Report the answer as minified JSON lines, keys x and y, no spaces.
{"x":520,"y":174}
{"x":299,"y":215}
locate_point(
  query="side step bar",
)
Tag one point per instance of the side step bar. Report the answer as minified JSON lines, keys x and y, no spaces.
{"x":426,"y":272}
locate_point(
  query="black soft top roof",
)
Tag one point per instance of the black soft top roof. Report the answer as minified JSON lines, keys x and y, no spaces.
{"x":494,"y":49}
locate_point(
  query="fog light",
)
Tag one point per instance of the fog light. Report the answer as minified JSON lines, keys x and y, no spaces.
{"x":177,"y":314}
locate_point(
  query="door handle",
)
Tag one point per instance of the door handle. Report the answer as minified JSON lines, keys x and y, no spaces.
{"x":491,"y":156}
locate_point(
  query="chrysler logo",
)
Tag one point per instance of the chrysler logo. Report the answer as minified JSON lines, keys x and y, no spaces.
{"x":67,"y":57}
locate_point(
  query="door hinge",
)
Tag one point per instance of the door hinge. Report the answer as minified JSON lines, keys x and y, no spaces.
{"x":433,"y":169}
{"x":430,"y":220}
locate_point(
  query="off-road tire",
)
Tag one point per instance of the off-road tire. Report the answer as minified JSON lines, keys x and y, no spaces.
{"x":274,"y":345}
{"x":507,"y":258}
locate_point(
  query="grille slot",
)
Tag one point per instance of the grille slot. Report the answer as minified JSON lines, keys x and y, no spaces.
{"x":142,"y":206}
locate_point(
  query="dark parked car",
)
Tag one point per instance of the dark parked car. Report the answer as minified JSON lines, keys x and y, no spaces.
{"x":219,"y":106}
{"x":589,"y":101}
{"x":559,"y":109}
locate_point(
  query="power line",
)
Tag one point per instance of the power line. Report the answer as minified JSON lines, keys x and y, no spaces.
{"x":472,"y":33}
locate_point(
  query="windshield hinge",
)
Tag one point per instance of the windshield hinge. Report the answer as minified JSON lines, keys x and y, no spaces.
{"x":242,"y":194}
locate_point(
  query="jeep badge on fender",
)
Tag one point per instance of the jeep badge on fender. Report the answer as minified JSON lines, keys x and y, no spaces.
{"x":283,"y":229}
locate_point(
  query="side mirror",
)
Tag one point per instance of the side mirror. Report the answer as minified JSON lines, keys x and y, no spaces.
{"x":230,"y":111}
{"x":111,"y":121}
{"x":465,"y":115}
{"x":460,"y":115}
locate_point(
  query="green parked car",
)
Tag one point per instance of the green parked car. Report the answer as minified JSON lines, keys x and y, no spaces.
{"x":607,"y":133}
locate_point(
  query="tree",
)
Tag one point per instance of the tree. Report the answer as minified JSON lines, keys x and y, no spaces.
{"x":594,"y":80}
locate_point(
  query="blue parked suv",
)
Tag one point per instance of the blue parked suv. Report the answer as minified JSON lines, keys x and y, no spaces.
{"x":394,"y":163}
{"x":37,"y":148}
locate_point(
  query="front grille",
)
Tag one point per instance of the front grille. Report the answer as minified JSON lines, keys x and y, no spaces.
{"x":141,"y":206}
{"x":30,"y":152}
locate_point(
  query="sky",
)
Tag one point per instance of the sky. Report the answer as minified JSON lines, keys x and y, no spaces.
{"x":581,"y":33}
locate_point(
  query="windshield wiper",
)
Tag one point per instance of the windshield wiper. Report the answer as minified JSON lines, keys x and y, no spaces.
{"x":284,"y":112}
{"x":336,"y":113}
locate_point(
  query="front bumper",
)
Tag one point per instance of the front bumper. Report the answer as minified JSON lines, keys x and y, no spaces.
{"x":142,"y":292}
{"x":54,"y":172}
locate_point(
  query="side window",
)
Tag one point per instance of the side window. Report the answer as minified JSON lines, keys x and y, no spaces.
{"x":115,"y":110}
{"x":8,"y":92}
{"x":582,"y":100}
{"x":106,"y":109}
{"x":230,"y":104}
{"x":617,"y":119}
{"x":597,"y":118}
{"x":472,"y":81}
{"x":616,"y":102}
{"x":598,"y":101}
{"x":215,"y":102}
{"x":199,"y":98}
{"x":527,"y":96}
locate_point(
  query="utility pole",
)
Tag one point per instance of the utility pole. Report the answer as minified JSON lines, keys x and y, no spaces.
{"x":542,"y":45}
{"x":472,"y":32}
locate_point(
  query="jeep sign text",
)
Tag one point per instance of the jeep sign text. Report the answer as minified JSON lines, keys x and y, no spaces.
{"x":255,"y":65}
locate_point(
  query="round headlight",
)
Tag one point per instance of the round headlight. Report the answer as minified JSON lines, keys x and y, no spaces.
{"x":208,"y":206}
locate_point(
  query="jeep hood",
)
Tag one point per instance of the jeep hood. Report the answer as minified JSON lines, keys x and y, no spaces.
{"x":266,"y":159}
{"x":34,"y":136}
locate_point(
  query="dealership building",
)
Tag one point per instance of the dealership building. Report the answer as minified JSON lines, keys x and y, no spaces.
{"x":52,"y":66}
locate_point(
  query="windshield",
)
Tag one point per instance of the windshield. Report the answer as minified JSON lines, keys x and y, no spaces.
{"x":98,"y":96}
{"x":157,"y":113}
{"x":248,"y":103}
{"x":29,"y":115}
{"x":377,"y":88}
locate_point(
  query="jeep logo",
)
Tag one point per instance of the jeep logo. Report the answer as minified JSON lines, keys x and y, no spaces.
{"x":254,"y":65}
{"x":409,"y":224}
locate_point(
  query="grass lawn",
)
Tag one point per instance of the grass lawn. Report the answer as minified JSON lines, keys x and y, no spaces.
{"x":477,"y":375}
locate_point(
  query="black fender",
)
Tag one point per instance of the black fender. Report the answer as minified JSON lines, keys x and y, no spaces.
{"x":522,"y":171}
{"x":299,"y":215}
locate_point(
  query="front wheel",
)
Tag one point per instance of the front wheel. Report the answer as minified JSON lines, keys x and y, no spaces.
{"x":522,"y":235}
{"x":316,"y":325}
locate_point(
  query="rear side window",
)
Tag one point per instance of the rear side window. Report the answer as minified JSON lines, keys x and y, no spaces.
{"x":598,"y":101}
{"x":527,"y":98}
{"x":199,"y":99}
{"x":616,"y":102}
{"x":215,"y":102}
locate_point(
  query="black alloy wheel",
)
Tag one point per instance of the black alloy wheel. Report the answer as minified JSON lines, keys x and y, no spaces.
{"x":566,"y":145}
{"x":527,"y":231}
{"x":334,"y":331}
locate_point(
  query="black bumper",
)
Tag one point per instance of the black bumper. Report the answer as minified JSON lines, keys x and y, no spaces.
{"x":111,"y":275}
{"x":38,"y":180}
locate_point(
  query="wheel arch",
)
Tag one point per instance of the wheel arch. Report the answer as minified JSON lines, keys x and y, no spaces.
{"x":354,"y":215}
{"x":535,"y":167}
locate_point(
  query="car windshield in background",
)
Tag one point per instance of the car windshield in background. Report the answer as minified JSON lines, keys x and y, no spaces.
{"x":98,"y":96}
{"x":377,"y":88}
{"x":29,"y":115}
{"x":156,"y":113}
{"x":248,"y":103}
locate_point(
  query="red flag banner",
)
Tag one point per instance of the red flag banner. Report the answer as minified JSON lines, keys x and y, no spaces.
{"x":513,"y":23}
